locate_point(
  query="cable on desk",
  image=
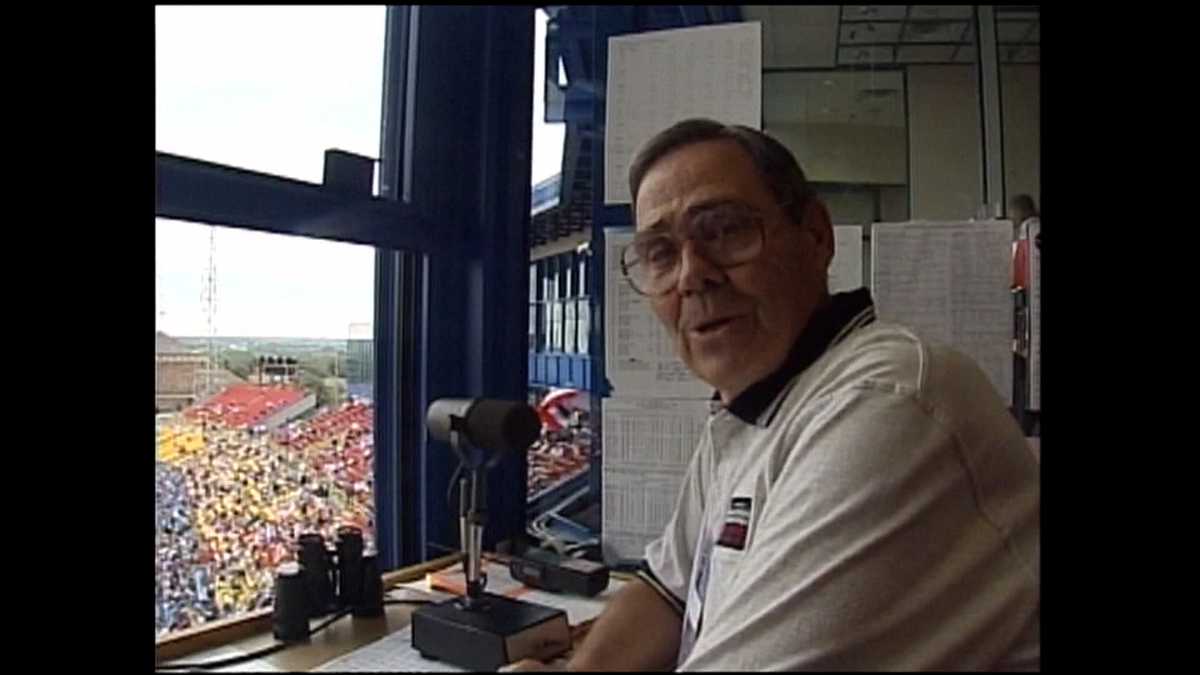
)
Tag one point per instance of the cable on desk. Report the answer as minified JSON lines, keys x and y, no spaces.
{"x":251,"y":656}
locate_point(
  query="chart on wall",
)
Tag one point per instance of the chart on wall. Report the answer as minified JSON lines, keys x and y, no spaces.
{"x":648,"y":443}
{"x":652,"y":422}
{"x":950,"y":283}
{"x":658,"y":78}
{"x":640,"y":358}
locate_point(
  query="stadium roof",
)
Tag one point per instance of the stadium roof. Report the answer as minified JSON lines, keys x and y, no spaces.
{"x":244,"y":405}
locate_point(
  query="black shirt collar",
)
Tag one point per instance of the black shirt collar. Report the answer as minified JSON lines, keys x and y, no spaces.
{"x":829,"y":325}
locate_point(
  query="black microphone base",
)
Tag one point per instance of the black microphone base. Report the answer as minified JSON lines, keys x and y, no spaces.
{"x":495,"y":632}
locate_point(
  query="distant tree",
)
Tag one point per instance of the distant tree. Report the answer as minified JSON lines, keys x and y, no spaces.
{"x":332,"y":392}
{"x":311,"y":383}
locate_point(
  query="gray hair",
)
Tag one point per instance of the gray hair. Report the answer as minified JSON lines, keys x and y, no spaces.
{"x":776,"y":164}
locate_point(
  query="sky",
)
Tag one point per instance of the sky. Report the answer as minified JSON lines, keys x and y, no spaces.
{"x":270,"y":89}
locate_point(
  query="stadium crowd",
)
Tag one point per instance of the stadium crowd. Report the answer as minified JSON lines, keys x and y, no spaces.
{"x":228,"y":513}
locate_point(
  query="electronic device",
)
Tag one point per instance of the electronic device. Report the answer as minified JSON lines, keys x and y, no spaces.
{"x":549,"y":571}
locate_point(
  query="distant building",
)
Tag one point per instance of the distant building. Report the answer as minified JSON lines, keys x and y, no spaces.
{"x":360,"y":361}
{"x":180,"y":375}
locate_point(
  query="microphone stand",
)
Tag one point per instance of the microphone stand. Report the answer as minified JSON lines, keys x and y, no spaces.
{"x":482,"y":631}
{"x":472,"y":516}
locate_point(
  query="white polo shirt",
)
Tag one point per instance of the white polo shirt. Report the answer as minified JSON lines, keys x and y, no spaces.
{"x":881,"y":511}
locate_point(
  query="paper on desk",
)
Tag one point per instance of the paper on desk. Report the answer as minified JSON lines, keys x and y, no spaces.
{"x":639,"y":357}
{"x":395,"y":652}
{"x":392,"y":653}
{"x":950,"y":283}
{"x":648,"y":444}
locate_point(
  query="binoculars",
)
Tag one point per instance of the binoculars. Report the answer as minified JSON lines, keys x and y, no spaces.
{"x":324,"y":581}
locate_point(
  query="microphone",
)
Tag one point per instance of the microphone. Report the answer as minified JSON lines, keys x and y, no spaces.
{"x":493,"y":424}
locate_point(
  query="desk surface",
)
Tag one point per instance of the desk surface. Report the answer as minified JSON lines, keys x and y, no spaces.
{"x":339,"y":638}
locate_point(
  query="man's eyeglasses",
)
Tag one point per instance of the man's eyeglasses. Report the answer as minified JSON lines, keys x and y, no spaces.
{"x":726,"y":235}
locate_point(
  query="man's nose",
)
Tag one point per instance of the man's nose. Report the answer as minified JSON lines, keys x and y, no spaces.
{"x":696,"y":272}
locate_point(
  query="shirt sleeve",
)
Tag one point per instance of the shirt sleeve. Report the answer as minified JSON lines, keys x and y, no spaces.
{"x":668,"y":564}
{"x":871,"y":553}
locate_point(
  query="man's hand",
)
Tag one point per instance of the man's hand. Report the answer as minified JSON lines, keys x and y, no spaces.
{"x":533,"y":665}
{"x":637,"y":631}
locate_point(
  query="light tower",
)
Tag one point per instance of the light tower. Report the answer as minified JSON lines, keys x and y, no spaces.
{"x":208,"y":297}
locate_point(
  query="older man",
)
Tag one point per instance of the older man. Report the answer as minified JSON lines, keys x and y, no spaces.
{"x":862,"y":499}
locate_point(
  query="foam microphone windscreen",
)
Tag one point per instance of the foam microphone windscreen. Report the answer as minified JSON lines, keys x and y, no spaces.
{"x":442,"y":414}
{"x":502,"y":426}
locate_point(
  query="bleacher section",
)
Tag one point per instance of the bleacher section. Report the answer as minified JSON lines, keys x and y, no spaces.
{"x":231,"y":500}
{"x":246,"y":406}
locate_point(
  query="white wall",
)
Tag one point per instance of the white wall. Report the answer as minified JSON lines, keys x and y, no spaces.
{"x":855,"y":205}
{"x":845,"y":153}
{"x":1020,"y":105}
{"x":848,"y":205}
{"x":893,"y":204}
{"x":944,"y":131}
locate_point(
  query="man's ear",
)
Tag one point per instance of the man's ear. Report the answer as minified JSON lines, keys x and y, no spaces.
{"x":819,"y":226}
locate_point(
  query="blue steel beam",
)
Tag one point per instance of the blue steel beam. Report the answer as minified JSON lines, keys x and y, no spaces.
{"x":694,"y":15}
{"x":198,"y":191}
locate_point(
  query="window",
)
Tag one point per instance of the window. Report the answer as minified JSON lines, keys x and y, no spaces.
{"x":553,"y":320}
{"x":562,"y":280}
{"x":264,"y":353}
{"x":427,"y":201}
{"x":268,"y":88}
{"x":568,"y":302}
{"x":264,"y":410}
{"x":534,"y":309}
{"x":548,"y":139}
{"x":584,"y":310}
